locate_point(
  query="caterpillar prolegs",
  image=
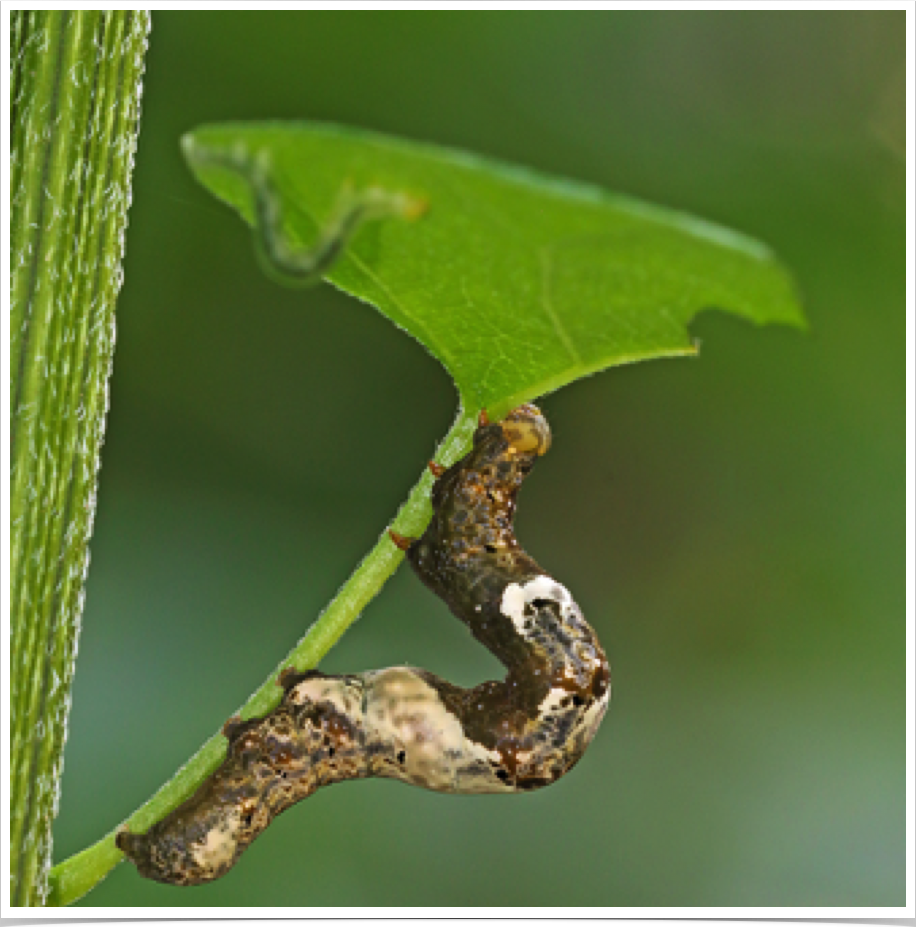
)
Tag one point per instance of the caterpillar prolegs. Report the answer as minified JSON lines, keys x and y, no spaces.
{"x":405,"y":723}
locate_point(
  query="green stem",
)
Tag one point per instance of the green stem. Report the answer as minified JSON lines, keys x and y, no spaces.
{"x":75,"y":87}
{"x":75,"y":876}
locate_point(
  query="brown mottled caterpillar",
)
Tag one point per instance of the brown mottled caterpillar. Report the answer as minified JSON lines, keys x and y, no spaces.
{"x":405,"y":723}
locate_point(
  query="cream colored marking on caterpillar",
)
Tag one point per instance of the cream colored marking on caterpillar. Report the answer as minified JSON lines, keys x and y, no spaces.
{"x":517,"y":598}
{"x":405,"y":723}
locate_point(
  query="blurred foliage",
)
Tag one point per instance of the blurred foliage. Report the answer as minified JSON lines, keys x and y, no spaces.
{"x":731,"y":525}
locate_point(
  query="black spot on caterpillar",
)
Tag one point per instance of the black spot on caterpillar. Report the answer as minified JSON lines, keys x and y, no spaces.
{"x":405,"y":723}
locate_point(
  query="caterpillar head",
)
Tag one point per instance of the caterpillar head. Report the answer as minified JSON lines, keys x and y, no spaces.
{"x":526,"y":430}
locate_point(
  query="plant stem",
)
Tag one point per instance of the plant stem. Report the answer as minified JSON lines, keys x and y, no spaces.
{"x":75,"y":876}
{"x":75,"y":90}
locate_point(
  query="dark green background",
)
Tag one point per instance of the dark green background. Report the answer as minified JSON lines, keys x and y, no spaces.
{"x":733,"y":526}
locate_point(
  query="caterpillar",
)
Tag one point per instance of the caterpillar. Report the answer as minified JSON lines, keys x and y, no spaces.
{"x":405,"y":723}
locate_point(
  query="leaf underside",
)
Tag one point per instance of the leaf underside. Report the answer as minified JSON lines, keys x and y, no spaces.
{"x":516,"y":282}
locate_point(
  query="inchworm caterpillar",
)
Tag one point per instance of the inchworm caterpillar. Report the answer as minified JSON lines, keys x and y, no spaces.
{"x":285,"y":262}
{"x":405,"y":723}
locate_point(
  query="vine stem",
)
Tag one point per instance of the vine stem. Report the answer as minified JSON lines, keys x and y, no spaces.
{"x":72,"y":878}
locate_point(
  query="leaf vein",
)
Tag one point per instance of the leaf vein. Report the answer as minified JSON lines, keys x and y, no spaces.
{"x":550,"y":310}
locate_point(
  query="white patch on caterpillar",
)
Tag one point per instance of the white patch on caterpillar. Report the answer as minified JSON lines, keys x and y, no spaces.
{"x":217,"y":848}
{"x":595,"y":713}
{"x":407,"y":714}
{"x":552,"y":701}
{"x":516,"y":597}
{"x":341,"y":693}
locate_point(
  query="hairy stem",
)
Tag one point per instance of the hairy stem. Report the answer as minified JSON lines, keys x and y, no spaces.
{"x":74,"y":101}
{"x":72,"y":878}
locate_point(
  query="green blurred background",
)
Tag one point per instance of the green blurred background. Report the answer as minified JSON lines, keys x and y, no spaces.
{"x":733,"y":526}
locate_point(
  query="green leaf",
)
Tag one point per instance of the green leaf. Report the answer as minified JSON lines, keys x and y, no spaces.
{"x":75,"y":91}
{"x":518,"y":283}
